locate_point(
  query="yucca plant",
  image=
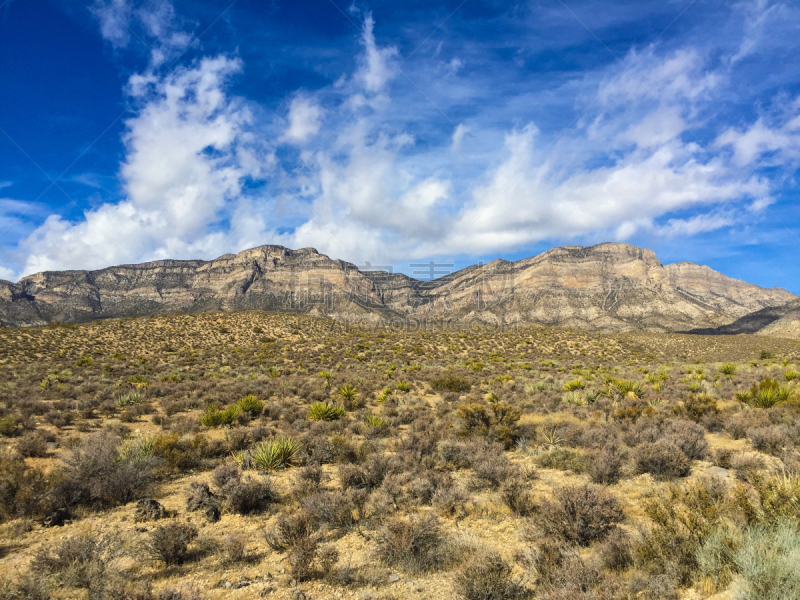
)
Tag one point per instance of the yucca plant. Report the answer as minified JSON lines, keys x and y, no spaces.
{"x":136,"y":448}
{"x":326,"y":378}
{"x":377,"y":422}
{"x":616,"y":389}
{"x":768,"y":393}
{"x":791,"y":375}
{"x":575,"y":398}
{"x":278,"y":453}
{"x":349,"y":396}
{"x":322,"y":411}
{"x":402,"y":386}
{"x":128,"y":399}
{"x":552,"y":438}
{"x":769,"y":397}
{"x":728,"y":369}
{"x":492,"y":398}
{"x":384,"y":394}
{"x":250,"y":404}
{"x":575,"y":384}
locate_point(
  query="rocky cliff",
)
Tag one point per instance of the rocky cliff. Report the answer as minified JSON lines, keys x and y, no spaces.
{"x":606,"y":287}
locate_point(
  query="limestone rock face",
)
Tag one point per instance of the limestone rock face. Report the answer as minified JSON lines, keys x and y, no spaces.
{"x":612,"y":287}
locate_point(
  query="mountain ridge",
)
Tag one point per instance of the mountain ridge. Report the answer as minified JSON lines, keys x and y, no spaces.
{"x":609,"y":286}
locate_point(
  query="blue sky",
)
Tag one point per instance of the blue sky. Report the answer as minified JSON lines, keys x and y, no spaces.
{"x":399,"y":133}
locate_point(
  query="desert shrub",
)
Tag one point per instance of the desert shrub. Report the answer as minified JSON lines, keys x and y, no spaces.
{"x":453,"y":454}
{"x":23,"y":489}
{"x":497,"y":422}
{"x":29,"y":586}
{"x":8,"y":425}
{"x":565,"y":459}
{"x":248,"y":495}
{"x":308,"y":480}
{"x":296,"y":535}
{"x":663,"y":460}
{"x":76,"y":562}
{"x":225,"y":474}
{"x":214,"y":417}
{"x":170,"y":543}
{"x":488,"y":577}
{"x":336,"y":509}
{"x":682,"y":520}
{"x":580,"y":514}
{"x":607,"y":465}
{"x":181,"y":453}
{"x":450,"y":383}
{"x":689,"y":437}
{"x":491,"y":470}
{"x":772,"y":440}
{"x":779,"y":496}
{"x":368,"y":476}
{"x":518,"y":496}
{"x":32,"y":444}
{"x":697,"y":407}
{"x":616,"y":551}
{"x":767,"y":562}
{"x":322,"y":411}
{"x":414,"y":544}
{"x":98,"y":473}
{"x":278,"y":453}
{"x":233,"y":545}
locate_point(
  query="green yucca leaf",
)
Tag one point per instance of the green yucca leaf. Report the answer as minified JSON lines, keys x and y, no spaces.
{"x":322,"y":411}
{"x":274,"y":454}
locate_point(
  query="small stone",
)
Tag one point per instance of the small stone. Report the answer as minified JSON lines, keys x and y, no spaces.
{"x":393,"y":578}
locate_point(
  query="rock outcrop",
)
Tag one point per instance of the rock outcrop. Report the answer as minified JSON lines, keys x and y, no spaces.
{"x":613,"y":287}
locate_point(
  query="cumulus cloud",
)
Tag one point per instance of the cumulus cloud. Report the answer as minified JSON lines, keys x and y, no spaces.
{"x":188,"y":152}
{"x":305,"y":116}
{"x":375,"y":191}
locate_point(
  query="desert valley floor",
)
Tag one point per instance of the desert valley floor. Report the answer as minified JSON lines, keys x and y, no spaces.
{"x":253,"y":454}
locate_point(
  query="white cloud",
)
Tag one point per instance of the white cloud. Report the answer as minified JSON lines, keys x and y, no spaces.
{"x":188,"y":151}
{"x":305,"y":116}
{"x":153,"y":23}
{"x":377,"y":64}
{"x":376,"y":192}
{"x":114,"y":19}
{"x":458,"y":136}
{"x":6,"y":274}
{"x":752,"y":144}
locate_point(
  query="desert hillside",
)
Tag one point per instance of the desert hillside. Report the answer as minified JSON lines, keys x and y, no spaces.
{"x":608,"y":287}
